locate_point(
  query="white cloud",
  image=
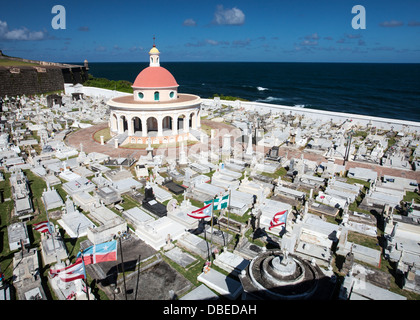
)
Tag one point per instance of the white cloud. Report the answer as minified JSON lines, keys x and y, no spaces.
{"x":189,"y":23}
{"x":313,"y":36}
{"x":414,"y":24}
{"x":232,"y":16}
{"x":135,"y":48}
{"x":391,"y":24}
{"x":100,"y":49}
{"x":19,"y":34}
{"x":241,"y":43}
{"x":212,"y":42}
{"x":309,"y":43}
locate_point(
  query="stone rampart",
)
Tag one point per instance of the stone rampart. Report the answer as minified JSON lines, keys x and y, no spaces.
{"x":31,"y":80}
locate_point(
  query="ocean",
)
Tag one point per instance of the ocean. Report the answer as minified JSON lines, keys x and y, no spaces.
{"x":375,"y":89}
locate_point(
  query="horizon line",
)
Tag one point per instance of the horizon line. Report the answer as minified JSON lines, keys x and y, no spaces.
{"x":177,"y":61}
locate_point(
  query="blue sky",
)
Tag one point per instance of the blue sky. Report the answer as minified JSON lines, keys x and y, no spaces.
{"x":224,"y":30}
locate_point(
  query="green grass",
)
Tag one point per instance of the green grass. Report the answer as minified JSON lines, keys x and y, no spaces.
{"x":104,"y":132}
{"x":120,"y":85}
{"x":129,"y":202}
{"x":206,"y":128}
{"x":15,"y":63}
{"x":409,"y":196}
{"x":229,"y":98}
{"x":279,"y":172}
{"x":363,"y":240}
{"x":362,"y":134}
{"x":6,"y":256}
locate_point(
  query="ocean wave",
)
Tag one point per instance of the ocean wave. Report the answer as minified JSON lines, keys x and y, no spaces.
{"x":259,"y":88}
{"x":262,"y":89}
{"x":299,"y":105}
{"x":270,"y":99}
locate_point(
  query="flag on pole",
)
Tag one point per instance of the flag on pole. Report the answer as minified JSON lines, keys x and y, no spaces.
{"x":278,"y":219}
{"x":220,"y":202}
{"x":43,"y":227}
{"x":102,"y":252}
{"x":70,"y":273}
{"x":204,"y":212}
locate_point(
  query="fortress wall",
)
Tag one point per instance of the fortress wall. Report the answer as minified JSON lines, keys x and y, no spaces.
{"x":30,"y":80}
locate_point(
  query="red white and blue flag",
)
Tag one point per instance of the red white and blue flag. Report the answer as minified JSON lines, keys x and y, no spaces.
{"x":43,"y":227}
{"x":71,"y":272}
{"x":278,"y":219}
{"x":102,"y":252}
{"x":204,"y":212}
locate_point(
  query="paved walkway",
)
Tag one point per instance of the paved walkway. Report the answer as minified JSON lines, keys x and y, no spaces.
{"x":85,"y":137}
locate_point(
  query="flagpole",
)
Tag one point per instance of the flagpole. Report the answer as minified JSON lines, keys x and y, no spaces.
{"x":122,"y":264}
{"x":50,"y":229}
{"x":85,"y":276}
{"x":211,"y":235}
{"x":138,"y":276}
{"x":205,"y":237}
{"x":229,"y":208}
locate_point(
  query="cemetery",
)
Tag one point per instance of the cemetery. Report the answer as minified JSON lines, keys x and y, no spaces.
{"x":290,"y":218}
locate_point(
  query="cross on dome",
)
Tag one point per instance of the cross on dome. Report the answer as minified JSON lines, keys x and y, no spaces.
{"x":154,"y":55}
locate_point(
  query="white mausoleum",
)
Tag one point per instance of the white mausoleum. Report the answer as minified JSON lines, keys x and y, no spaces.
{"x":156,"y":110}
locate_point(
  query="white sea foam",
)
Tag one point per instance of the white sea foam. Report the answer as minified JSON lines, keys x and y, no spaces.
{"x":262,"y":88}
{"x":269,"y":99}
{"x":299,"y":105}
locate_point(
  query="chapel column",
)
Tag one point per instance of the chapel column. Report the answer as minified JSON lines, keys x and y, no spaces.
{"x":130,"y":126}
{"x":120,"y":125}
{"x":174,"y":125}
{"x":198,"y":119}
{"x":160,"y":126}
{"x":143,"y":126}
{"x":194,"y":121}
{"x":186,"y":124}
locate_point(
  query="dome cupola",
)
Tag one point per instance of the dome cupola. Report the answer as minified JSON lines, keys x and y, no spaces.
{"x":154,"y":56}
{"x":155,"y":83}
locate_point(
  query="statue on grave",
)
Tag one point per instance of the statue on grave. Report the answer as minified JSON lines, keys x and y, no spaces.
{"x":148,"y":193}
{"x":348,"y":262}
{"x":286,"y":253}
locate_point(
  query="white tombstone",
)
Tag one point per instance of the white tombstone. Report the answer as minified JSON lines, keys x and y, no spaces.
{"x":182,"y":156}
{"x":226,"y":148}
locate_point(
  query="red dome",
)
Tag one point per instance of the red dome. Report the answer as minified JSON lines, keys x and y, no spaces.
{"x":155,"y":77}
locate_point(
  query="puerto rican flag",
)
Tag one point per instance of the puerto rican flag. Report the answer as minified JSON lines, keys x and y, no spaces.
{"x":204,"y":212}
{"x":278,"y":219}
{"x":70,"y":273}
{"x":102,"y":252}
{"x":43,"y":227}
